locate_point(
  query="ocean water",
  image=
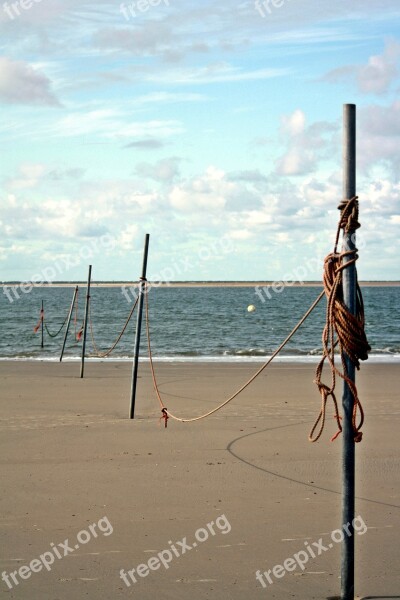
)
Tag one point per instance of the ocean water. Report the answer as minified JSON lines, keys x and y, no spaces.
{"x":190,"y":324}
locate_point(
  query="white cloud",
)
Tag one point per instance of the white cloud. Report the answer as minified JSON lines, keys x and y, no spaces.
{"x":240,"y":234}
{"x":206,"y":191}
{"x":219,"y":72}
{"x":376,"y":76}
{"x":164,"y":170}
{"x":306,"y":145}
{"x":379,"y":137}
{"x":128,"y":237}
{"x":295,"y":123}
{"x":28,"y":177}
{"x":20,"y":83}
{"x":113,"y":124}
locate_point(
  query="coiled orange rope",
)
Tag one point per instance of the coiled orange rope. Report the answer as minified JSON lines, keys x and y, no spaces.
{"x":341,"y":328}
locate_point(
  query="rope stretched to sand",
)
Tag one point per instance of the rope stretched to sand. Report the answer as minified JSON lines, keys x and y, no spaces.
{"x":167,"y":413}
{"x":349,"y":330}
{"x":100,"y":354}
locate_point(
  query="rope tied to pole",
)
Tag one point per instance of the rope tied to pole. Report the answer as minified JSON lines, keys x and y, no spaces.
{"x":348,"y":216}
{"x":164,"y":416}
{"x":41,"y":319}
{"x":82,"y":327}
{"x":342,"y":328}
{"x":77,"y":333}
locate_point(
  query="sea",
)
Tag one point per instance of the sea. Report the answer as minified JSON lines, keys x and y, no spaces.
{"x":189,"y":323}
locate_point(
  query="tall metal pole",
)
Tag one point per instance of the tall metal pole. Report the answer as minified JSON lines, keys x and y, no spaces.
{"x":68,"y":322}
{"x":86,"y":321}
{"x":139,"y":327}
{"x":42,"y":325}
{"x":349,"y":297}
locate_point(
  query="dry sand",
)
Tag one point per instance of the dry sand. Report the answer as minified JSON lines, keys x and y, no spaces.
{"x":70,"y":457}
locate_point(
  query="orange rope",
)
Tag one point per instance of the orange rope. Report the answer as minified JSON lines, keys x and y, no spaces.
{"x":78,"y":334}
{"x":243,"y":387}
{"x":341,"y":328}
{"x":53,"y":335}
{"x":41,"y":318}
{"x":107,"y":352}
{"x":349,"y":330}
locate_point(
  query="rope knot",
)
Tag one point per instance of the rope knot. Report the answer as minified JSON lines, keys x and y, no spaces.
{"x":349,"y":214}
{"x":164,"y":416}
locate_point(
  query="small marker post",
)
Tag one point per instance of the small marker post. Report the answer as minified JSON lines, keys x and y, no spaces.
{"x":42,"y":326}
{"x":68,"y":322}
{"x":86,"y":321}
{"x":350,"y":299}
{"x":139,"y":327}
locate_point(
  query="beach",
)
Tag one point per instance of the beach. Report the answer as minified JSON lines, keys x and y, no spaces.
{"x":71,"y":458}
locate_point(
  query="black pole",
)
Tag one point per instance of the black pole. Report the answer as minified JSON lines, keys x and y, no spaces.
{"x":42,"y":325}
{"x":349,"y":297}
{"x":139,"y":327}
{"x":86,"y":321}
{"x":68,"y":323}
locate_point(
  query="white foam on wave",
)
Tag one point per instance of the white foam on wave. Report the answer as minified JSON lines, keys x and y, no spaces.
{"x":373,"y":358}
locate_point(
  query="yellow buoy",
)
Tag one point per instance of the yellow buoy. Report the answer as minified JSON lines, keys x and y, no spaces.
{"x":251,"y":308}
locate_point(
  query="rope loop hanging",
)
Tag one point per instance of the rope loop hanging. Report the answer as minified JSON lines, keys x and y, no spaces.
{"x":53,"y":335}
{"x":167,"y":412}
{"x":106,"y":353}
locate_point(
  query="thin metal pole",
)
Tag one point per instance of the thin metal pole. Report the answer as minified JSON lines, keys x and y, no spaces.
{"x":349,"y":297}
{"x":139,"y":327}
{"x":68,"y":322}
{"x":86,"y":321}
{"x":42,"y":325}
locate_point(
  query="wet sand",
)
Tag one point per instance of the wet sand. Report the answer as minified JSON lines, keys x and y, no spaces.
{"x":70,"y":457}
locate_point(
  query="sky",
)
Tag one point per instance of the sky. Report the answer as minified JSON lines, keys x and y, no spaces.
{"x":216,"y":127}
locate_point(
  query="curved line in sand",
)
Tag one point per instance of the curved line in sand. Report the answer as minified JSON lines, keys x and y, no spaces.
{"x":275,"y":474}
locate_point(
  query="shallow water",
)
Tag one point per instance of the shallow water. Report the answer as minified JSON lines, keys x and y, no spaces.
{"x":194,"y":323}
